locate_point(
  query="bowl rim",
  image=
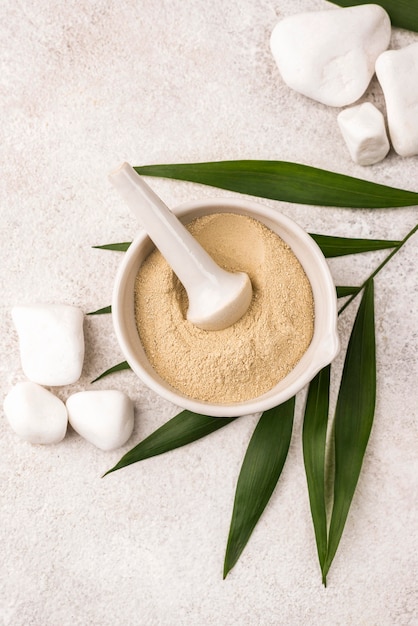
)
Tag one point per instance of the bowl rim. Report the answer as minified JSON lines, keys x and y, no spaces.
{"x":326,"y":342}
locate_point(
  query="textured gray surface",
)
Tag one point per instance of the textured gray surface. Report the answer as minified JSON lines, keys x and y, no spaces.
{"x":85,"y":85}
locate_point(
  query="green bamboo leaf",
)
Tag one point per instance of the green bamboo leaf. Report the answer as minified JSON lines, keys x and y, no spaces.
{"x":119,"y":247}
{"x":289,"y":182}
{"x":340,"y":246}
{"x":403,"y":13}
{"x":314,"y":437}
{"x":103,"y":311}
{"x":342,"y":292}
{"x":354,"y":414}
{"x":179,"y":431}
{"x":260,"y":471}
{"x":116,"y":368}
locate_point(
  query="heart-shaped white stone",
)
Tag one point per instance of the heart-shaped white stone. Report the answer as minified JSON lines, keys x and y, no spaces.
{"x":330,"y":55}
{"x":104,"y":417}
{"x":35,"y":414}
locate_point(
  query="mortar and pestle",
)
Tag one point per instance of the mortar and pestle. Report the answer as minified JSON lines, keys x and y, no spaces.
{"x":217,"y":298}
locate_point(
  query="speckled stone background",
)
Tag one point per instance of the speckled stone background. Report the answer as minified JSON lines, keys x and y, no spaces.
{"x":84,"y":85}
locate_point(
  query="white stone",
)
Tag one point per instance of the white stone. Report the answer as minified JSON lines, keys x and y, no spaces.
{"x":51,"y":342}
{"x":397,"y":72}
{"x":364,"y":132}
{"x":330,"y":55}
{"x":104,"y":417}
{"x":35,"y":414}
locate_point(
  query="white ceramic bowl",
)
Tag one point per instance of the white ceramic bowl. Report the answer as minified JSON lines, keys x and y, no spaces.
{"x":321,"y":351}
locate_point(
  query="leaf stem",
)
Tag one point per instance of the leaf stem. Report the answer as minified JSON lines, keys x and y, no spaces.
{"x":379,"y":267}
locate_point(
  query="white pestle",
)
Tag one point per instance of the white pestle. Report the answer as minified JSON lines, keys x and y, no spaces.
{"x":217,"y":298}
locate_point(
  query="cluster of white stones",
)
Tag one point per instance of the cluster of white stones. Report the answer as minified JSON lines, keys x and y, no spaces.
{"x":51,"y":343}
{"x":331,"y":57}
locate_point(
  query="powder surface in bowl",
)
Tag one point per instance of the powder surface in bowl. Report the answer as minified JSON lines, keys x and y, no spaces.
{"x":250,"y":357}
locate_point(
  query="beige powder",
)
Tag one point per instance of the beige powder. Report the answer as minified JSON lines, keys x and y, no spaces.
{"x":247,"y":359}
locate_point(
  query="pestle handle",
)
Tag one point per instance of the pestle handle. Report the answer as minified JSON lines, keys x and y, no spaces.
{"x":189,"y":261}
{"x":217,"y":298}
